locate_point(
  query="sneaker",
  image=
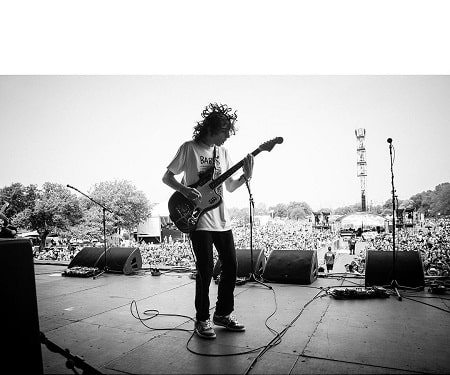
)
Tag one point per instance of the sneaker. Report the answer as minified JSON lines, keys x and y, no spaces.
{"x":204,"y":329}
{"x":229,"y":322}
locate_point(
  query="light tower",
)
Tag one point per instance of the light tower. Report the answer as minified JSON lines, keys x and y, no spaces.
{"x":361,"y":164}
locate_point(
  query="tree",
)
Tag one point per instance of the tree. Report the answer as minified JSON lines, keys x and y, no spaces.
{"x":441,"y":202}
{"x":348,"y":209}
{"x":280,"y":210}
{"x":432,"y":203}
{"x":19,"y":197}
{"x":129,"y":205}
{"x":297,"y":213}
{"x":85,"y":228}
{"x":55,"y":210}
{"x":406,"y":204}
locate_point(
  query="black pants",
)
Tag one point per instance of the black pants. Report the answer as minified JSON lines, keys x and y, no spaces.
{"x":202,"y":243}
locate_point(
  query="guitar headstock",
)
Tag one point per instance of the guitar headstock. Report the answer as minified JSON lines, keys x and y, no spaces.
{"x":269,"y":145}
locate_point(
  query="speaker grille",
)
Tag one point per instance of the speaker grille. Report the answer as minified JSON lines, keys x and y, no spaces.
{"x":291,"y":266}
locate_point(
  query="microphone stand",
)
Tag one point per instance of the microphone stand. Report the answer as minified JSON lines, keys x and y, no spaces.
{"x":252,"y":276}
{"x":394,"y":284}
{"x":105,"y":268}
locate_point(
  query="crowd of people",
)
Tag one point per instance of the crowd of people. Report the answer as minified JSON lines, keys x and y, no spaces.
{"x":432,"y":240}
{"x":275,"y":235}
{"x":282,"y":235}
{"x":167,"y":254}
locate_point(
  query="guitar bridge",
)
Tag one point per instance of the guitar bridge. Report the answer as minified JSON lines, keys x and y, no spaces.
{"x":196,"y":214}
{"x":188,"y":214}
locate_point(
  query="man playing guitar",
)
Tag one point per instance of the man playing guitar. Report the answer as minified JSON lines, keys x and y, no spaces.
{"x":205,"y":155}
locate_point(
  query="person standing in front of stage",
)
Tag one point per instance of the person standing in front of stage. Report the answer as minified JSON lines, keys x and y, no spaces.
{"x":352,"y":244}
{"x":329,"y":259}
{"x":193,"y":159}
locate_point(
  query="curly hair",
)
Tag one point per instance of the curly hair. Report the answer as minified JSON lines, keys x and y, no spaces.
{"x":216,"y":117}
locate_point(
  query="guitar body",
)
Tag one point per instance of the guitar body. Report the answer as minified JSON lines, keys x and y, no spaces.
{"x":185,"y":213}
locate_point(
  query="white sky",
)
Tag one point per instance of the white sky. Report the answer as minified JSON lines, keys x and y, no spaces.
{"x":66,"y":121}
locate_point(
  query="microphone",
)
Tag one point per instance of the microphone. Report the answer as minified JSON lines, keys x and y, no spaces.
{"x":389,"y":140}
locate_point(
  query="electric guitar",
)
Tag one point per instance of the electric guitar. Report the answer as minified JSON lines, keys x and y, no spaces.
{"x":185,"y":213}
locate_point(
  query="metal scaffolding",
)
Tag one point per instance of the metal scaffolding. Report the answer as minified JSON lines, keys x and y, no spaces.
{"x":361,"y":164}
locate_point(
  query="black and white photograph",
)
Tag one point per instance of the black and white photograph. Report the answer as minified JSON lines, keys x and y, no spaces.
{"x":225,"y":187}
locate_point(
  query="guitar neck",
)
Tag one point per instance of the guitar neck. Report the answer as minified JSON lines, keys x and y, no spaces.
{"x":219,"y":180}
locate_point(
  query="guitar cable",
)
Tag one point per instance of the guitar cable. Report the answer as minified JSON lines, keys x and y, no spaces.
{"x":262,"y":349}
{"x":153,"y":313}
{"x":277,"y":339}
{"x":226,"y":354}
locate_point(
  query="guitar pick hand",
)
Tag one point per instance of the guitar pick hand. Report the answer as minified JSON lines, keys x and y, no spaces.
{"x":192,"y":194}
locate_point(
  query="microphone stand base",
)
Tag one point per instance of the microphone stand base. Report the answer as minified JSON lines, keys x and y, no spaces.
{"x":253,"y":278}
{"x":101,"y":273}
{"x":394,"y":285}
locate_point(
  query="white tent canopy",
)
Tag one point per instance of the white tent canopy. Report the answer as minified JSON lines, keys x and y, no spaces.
{"x":28,"y":234}
{"x":361,"y":220}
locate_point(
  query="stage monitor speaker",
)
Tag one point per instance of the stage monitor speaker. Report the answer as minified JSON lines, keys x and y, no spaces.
{"x":244,"y":263}
{"x":122,"y":259}
{"x":408,"y":269}
{"x":88,"y":257}
{"x":21,"y":335}
{"x":291,"y":266}
{"x":118,"y":259}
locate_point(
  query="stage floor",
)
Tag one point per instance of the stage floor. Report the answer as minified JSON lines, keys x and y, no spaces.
{"x":97,"y":319}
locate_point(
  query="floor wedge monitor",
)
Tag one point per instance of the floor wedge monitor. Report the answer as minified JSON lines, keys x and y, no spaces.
{"x":244,"y":263}
{"x":118,"y":259}
{"x":408,"y":269}
{"x":291,"y":267}
{"x":122,"y":259}
{"x":87,"y":257}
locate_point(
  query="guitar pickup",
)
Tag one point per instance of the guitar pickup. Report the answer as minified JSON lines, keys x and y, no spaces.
{"x":196,"y":213}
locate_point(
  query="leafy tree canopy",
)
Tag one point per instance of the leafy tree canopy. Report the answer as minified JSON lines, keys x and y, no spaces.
{"x":126,"y":206}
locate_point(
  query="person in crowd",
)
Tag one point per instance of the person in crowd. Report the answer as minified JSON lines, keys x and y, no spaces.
{"x":205,"y":152}
{"x":329,"y":259}
{"x":352,"y":244}
{"x":7,"y":230}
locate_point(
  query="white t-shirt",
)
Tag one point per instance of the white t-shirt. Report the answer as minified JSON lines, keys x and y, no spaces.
{"x":194,"y":158}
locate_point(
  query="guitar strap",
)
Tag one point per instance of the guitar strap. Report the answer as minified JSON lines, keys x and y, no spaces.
{"x":214,"y":162}
{"x":214,"y":176}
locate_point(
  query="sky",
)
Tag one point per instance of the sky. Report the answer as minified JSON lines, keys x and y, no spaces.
{"x":82,"y":130}
{"x":115,"y":98}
